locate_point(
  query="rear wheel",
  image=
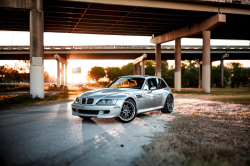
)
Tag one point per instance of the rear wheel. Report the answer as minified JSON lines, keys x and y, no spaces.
{"x":169,"y":105}
{"x":128,"y":112}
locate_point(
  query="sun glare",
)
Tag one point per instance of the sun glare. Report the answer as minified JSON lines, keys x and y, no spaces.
{"x":51,"y":67}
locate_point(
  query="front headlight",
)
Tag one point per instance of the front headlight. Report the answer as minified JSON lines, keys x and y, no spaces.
{"x":77,"y":100}
{"x":106,"y":102}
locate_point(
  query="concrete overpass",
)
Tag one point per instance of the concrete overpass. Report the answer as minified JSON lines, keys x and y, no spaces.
{"x":163,"y":20}
{"x":129,"y":52}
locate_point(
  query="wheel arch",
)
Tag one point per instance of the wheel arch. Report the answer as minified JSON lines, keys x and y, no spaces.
{"x":132,"y":100}
{"x":170,"y":94}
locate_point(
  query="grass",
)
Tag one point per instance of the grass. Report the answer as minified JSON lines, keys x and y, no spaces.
{"x":24,"y":100}
{"x":200,"y":137}
{"x":9,"y":88}
{"x":246,"y":92}
{"x":232,"y":96}
{"x":48,"y":88}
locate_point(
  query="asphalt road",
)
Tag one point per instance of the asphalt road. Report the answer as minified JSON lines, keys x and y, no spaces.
{"x":50,"y":135}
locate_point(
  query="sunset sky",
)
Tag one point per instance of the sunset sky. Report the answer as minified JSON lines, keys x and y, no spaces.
{"x":9,"y":38}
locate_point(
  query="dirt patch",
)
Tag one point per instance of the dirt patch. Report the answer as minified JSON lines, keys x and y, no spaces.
{"x":203,"y":133}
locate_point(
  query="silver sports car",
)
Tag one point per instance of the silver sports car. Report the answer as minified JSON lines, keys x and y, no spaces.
{"x":124,"y":98}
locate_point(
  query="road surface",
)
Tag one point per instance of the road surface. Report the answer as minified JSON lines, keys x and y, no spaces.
{"x":50,"y":135}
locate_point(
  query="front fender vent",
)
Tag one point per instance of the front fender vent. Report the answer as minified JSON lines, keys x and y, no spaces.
{"x":139,"y":96}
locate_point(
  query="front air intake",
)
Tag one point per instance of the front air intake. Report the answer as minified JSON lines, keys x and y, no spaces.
{"x":90,"y":101}
{"x":90,"y":112}
{"x":83,"y":100}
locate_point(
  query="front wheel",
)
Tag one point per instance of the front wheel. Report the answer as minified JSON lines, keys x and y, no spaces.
{"x":128,"y":112}
{"x":169,"y":105}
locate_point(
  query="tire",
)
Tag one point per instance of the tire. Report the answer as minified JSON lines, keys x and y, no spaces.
{"x":128,"y":112}
{"x":169,"y":106}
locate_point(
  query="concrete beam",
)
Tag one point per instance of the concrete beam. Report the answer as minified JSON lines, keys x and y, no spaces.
{"x":140,"y":59}
{"x":177,"y":72}
{"x":138,"y":72}
{"x":63,"y":73}
{"x":58,"y":74}
{"x":187,"y":31}
{"x":206,"y":65}
{"x":22,"y":4}
{"x":143,"y":67}
{"x":36,"y":53}
{"x":158,"y":60}
{"x":60,"y":59}
{"x":66,"y":74}
{"x":173,"y":5}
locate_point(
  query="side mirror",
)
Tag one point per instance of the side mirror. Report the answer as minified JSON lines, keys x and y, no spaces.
{"x":152,"y":88}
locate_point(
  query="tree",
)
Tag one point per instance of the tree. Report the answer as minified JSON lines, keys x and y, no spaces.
{"x":164,"y":69}
{"x":169,"y":77}
{"x":96,"y":73}
{"x":189,"y":74}
{"x":113,"y":72}
{"x":239,"y":75}
{"x":150,"y":67}
{"x":127,"y":69}
{"x":46,"y":76}
{"x":216,"y":76}
{"x":167,"y":74}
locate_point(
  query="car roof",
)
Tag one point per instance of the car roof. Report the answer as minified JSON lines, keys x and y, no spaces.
{"x":141,"y":76}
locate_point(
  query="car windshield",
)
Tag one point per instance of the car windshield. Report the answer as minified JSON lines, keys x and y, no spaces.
{"x":135,"y":83}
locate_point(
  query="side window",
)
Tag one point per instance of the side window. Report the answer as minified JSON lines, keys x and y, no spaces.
{"x":162,"y":84}
{"x":152,"y":82}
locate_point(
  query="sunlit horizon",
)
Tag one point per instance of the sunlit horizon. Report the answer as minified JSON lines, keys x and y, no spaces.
{"x":16,"y":38}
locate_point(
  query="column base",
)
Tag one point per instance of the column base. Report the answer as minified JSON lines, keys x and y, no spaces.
{"x":58,"y":82}
{"x":177,"y":81}
{"x":36,"y":82}
{"x":206,"y":78}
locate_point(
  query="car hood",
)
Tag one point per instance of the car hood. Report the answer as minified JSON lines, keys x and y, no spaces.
{"x":110,"y":92}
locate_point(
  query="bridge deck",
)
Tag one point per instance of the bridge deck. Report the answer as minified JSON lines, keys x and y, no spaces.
{"x":123,"y":52}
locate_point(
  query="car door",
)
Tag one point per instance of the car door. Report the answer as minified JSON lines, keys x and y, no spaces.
{"x":164,"y":89}
{"x":153,"y":98}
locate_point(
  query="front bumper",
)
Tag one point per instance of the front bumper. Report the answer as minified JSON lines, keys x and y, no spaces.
{"x":99,"y":111}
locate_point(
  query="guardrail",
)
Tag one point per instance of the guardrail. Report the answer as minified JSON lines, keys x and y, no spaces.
{"x":123,"y":47}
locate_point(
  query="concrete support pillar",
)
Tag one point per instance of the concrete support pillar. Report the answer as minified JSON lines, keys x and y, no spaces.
{"x":206,"y":61}
{"x":138,"y":69}
{"x":177,"y":72}
{"x":66,"y":74}
{"x":221,"y":73}
{"x":135,"y":73}
{"x":63,"y":73}
{"x":211,"y":73}
{"x":37,"y":51}
{"x":58,"y":74}
{"x":143,"y":67}
{"x":200,"y":76}
{"x":158,"y":60}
